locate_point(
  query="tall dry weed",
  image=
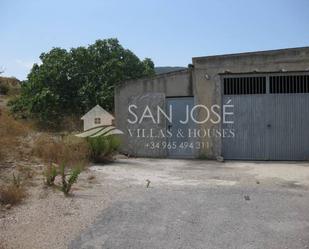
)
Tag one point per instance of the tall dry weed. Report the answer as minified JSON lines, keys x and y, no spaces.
{"x":68,"y":150}
{"x":11,"y":131}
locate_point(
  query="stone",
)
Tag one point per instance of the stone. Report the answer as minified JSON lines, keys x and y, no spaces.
{"x":220,"y":159}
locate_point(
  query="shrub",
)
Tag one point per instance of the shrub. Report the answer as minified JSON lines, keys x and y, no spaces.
{"x":103,"y":148}
{"x":13,"y":193}
{"x":68,"y":178}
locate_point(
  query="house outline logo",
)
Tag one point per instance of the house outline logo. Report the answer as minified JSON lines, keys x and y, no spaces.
{"x":96,"y":117}
{"x":98,"y":122}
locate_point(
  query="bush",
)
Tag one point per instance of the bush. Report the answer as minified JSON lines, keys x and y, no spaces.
{"x":68,"y":178}
{"x":13,"y":193}
{"x":103,"y":148}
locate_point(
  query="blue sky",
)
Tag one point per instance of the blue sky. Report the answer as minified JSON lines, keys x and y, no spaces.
{"x":169,"y":32}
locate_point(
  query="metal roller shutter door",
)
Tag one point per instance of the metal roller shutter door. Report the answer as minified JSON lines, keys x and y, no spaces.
{"x":271,"y":117}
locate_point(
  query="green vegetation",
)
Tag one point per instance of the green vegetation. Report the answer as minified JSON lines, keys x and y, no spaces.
{"x":72,"y":82}
{"x":102,"y":148}
{"x":68,"y":178}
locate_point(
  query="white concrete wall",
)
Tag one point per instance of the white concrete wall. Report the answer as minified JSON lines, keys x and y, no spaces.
{"x":151,"y":92}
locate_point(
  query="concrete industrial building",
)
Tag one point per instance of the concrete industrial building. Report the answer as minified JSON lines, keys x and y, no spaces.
{"x":268,"y":92}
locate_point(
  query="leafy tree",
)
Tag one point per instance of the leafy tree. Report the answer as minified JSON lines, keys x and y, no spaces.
{"x":71,"y":82}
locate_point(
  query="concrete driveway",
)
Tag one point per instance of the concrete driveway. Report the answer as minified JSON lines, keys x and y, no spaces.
{"x":194,"y":204}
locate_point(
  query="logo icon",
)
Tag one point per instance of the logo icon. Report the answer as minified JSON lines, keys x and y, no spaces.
{"x":98,"y":122}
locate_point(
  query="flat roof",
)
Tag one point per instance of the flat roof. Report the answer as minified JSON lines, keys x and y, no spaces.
{"x":161,"y":75}
{"x":263,"y":52}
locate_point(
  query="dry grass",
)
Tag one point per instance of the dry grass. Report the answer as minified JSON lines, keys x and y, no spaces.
{"x":12,"y":84}
{"x":12,"y":194}
{"x":11,"y":127}
{"x":10,"y":132}
{"x":68,"y":150}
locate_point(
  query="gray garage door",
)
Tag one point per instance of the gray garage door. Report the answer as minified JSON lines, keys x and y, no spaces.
{"x":271,"y":117}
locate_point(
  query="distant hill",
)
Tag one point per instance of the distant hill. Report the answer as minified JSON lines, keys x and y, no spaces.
{"x":160,"y":70}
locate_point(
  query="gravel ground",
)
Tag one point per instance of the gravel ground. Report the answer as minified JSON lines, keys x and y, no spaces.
{"x":189,"y":204}
{"x":47,"y":219}
{"x":203,"y":204}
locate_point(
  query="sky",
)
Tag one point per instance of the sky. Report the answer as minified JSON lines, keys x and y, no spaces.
{"x":168,"y":32}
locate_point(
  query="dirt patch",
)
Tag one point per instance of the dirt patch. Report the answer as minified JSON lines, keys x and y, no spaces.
{"x":47,"y":219}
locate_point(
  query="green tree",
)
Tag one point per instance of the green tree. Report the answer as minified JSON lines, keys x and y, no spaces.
{"x":71,"y":82}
